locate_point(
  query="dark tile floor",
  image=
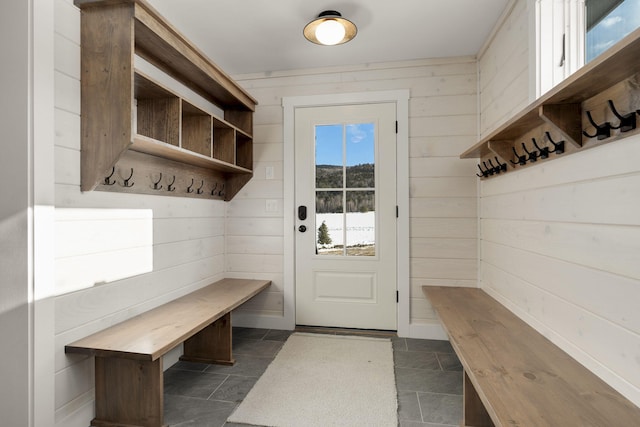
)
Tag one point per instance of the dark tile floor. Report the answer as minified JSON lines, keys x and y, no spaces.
{"x":428,"y":379}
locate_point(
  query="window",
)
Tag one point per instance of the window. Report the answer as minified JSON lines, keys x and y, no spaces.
{"x":609,"y":21}
{"x":570,"y":33}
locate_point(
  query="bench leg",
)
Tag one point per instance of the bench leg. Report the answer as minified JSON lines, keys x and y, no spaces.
{"x":212,"y":344}
{"x":128,"y":393}
{"x":473,"y":410}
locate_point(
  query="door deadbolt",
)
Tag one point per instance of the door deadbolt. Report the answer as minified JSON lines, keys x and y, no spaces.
{"x":302,"y":228}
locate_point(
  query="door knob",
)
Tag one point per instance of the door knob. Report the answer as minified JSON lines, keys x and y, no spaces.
{"x":302,"y":228}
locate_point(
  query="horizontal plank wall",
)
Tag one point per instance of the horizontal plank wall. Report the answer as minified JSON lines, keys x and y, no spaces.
{"x":503,"y":68}
{"x":443,"y":122}
{"x":116,"y":254}
{"x":559,"y":241}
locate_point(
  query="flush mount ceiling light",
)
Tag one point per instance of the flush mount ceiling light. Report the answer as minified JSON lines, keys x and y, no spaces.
{"x":329,"y":29}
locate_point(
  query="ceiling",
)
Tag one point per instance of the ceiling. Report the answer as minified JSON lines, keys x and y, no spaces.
{"x":263,"y":36}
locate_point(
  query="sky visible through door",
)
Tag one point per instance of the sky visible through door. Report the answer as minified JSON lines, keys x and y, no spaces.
{"x":345,"y":189}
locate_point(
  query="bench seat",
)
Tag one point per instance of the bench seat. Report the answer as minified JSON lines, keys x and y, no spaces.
{"x":514,"y":376}
{"x":128,"y":356}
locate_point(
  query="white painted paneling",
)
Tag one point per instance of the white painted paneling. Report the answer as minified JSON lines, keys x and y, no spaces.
{"x":444,"y":247}
{"x":254,"y":245}
{"x":254,"y":263}
{"x":606,"y":247}
{"x":254,"y":226}
{"x":575,"y":284}
{"x":504,"y":70}
{"x":574,"y":202}
{"x":67,"y":56}
{"x":453,"y":228}
{"x":443,"y":187}
{"x":424,"y":167}
{"x":441,"y":268}
{"x":443,"y":126}
{"x":440,"y":146}
{"x":444,"y":207}
{"x":167,"y":230}
{"x":454,"y":105}
{"x":67,"y":128}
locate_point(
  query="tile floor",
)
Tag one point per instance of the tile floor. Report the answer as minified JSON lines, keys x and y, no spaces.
{"x":428,"y":379}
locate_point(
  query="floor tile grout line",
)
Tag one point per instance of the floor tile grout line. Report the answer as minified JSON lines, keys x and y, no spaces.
{"x":439,"y":363}
{"x":217,"y":388}
{"x":420,"y":407}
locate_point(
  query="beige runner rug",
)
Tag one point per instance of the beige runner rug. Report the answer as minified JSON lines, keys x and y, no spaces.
{"x":325,"y":380}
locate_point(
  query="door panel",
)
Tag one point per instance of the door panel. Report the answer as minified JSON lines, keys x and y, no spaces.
{"x":346,"y":180}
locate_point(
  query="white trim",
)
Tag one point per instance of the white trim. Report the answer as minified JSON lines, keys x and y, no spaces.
{"x":401,"y":98}
{"x":42,"y":203}
{"x":427,"y":331}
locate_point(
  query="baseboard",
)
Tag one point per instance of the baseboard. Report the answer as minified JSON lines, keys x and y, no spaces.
{"x":248,"y":320}
{"x":428,"y":331}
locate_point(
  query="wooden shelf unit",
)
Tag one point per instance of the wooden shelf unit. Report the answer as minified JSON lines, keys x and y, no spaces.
{"x":563,"y":110}
{"x":124,"y":109}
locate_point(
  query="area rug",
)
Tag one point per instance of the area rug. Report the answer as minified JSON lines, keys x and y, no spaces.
{"x":325,"y":380}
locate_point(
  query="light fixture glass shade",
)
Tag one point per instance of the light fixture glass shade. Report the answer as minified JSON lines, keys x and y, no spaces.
{"x":330,"y":29}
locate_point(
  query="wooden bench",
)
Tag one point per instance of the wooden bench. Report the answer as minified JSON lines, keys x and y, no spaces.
{"x":128,"y":356}
{"x":514,"y":376}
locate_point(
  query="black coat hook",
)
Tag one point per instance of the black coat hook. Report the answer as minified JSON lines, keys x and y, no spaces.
{"x":170,"y":187}
{"x":494,"y":169}
{"x":500,"y":167}
{"x":544,"y":151}
{"x":603,"y":131}
{"x":190,"y":188}
{"x":558,"y":147}
{"x":107,"y":178}
{"x":533,"y":155}
{"x":627,"y":122}
{"x":221,"y":192}
{"x":213,"y":192}
{"x":520,"y":160}
{"x":489,"y":169}
{"x":155,"y":184}
{"x":126,"y":181}
{"x":483,"y":173}
{"x":199,"y":190}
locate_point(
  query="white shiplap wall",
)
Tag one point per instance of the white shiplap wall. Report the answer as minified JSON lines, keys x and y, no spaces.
{"x":503,"y":68}
{"x":559,"y":241}
{"x":443,"y":196}
{"x":160,"y":247}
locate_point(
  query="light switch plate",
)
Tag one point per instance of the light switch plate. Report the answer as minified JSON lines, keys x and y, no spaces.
{"x":268,"y":172}
{"x":271,"y":205}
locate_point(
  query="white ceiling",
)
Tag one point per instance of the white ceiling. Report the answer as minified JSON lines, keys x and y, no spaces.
{"x":249,"y":36}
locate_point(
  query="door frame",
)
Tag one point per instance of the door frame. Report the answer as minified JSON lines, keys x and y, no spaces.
{"x":401,"y":99}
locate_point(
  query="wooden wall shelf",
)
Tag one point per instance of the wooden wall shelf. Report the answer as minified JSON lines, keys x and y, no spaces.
{"x":123,"y":109}
{"x":563,"y":110}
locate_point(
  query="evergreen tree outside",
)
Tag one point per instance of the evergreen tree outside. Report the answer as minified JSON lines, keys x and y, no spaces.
{"x":323,"y":234}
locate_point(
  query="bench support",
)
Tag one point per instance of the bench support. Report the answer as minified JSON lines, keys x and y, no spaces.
{"x":128,"y":393}
{"x":473,"y":410}
{"x":212,"y":344}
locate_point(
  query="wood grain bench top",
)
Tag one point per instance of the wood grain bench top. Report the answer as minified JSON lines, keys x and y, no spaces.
{"x":522,"y":378}
{"x":151,"y":334}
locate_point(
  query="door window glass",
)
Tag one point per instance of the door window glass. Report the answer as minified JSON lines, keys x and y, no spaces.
{"x":345,"y":189}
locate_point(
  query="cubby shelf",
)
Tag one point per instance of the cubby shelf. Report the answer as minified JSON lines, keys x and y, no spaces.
{"x":563,"y":110}
{"x":123,"y":109}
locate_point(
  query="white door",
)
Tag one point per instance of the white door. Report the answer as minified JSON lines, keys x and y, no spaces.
{"x":345,"y":190}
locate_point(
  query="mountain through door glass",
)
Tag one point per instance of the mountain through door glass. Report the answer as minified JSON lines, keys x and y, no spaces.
{"x":345,"y":189}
